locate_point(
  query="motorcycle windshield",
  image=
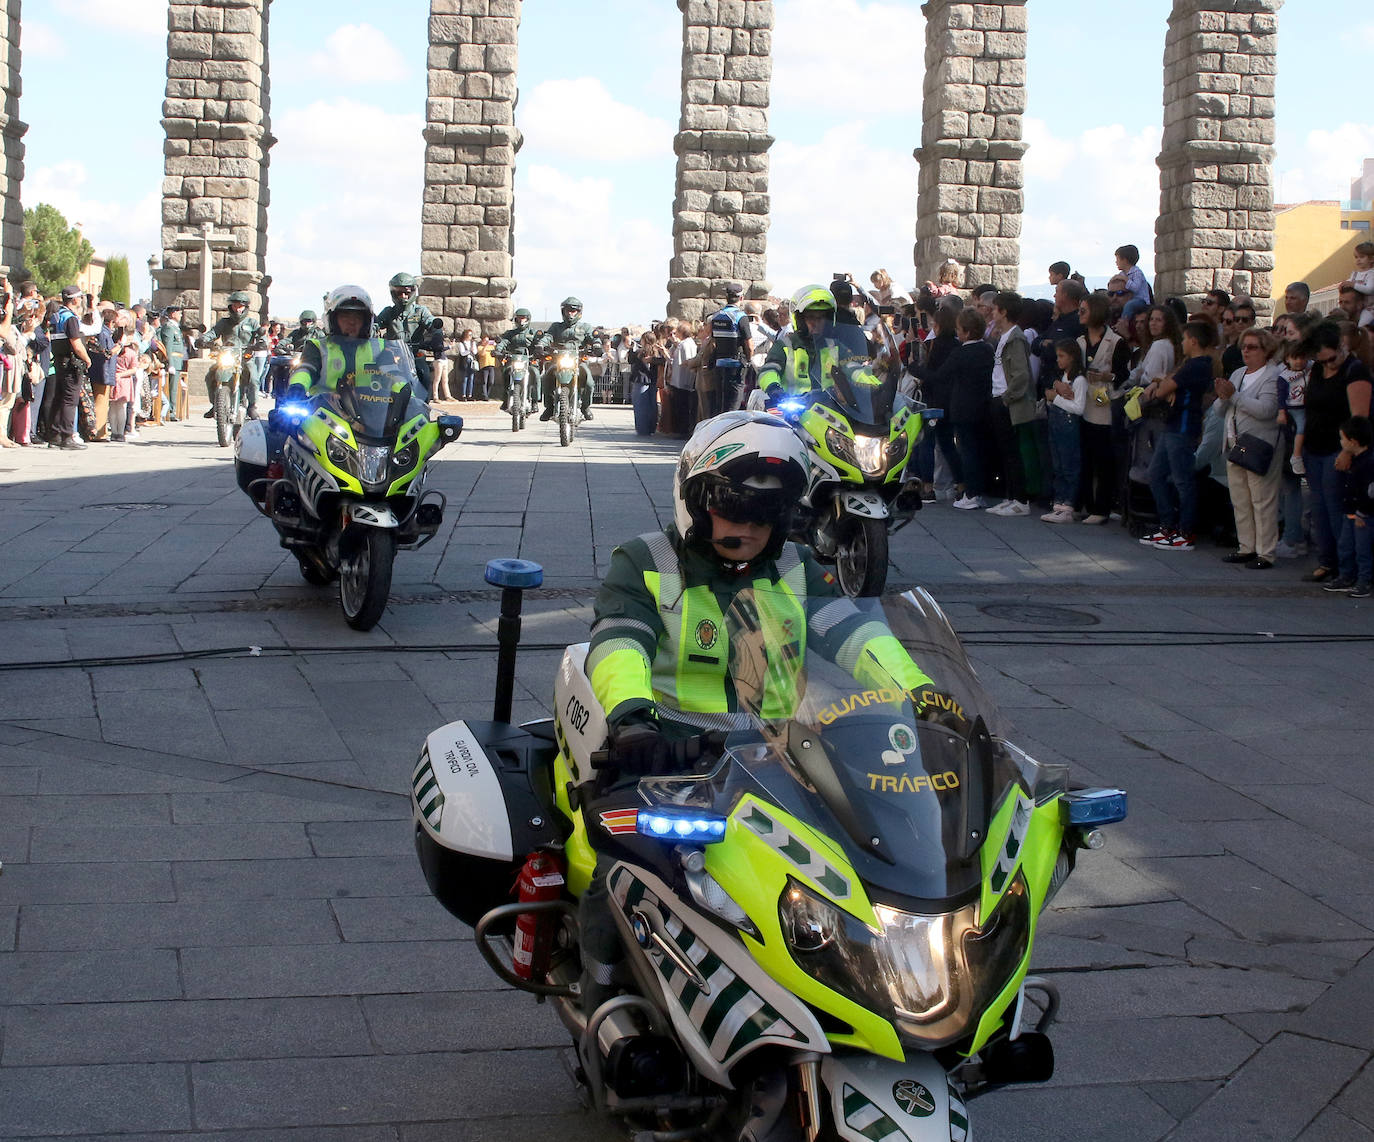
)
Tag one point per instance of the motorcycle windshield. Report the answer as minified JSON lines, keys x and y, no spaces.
{"x":860,"y":385}
{"x":377,"y":392}
{"x":904,"y":778}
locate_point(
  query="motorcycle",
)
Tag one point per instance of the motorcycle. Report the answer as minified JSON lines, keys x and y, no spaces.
{"x":860,"y":432}
{"x":569,"y":373}
{"x":229,"y":375}
{"x":827,"y":929}
{"x":280,"y":365}
{"x":341,"y":474}
{"x":517,"y":388}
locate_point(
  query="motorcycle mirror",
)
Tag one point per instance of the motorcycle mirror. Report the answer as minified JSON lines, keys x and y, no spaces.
{"x":450,"y":427}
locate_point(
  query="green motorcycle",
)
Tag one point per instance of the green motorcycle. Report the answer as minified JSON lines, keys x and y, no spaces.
{"x":827,"y":929}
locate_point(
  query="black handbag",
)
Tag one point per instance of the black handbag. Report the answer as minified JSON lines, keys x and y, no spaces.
{"x":1252,"y":453}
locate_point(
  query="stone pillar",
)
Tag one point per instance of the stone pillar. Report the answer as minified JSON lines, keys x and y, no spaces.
{"x":720,"y":210}
{"x":969,"y":198}
{"x":217,"y":120}
{"x":467,"y":232}
{"x":1216,"y":201}
{"x":12,"y":173}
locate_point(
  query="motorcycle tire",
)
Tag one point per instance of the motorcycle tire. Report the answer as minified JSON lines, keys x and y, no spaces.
{"x":365,"y":578}
{"x":222,"y":415}
{"x":565,"y":424}
{"x":517,"y":416}
{"x":861,"y":558}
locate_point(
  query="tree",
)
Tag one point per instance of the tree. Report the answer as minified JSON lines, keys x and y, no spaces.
{"x":54,"y":253}
{"x":116,"y":285}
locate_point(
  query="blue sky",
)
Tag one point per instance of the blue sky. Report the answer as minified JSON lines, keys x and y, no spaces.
{"x":599,"y":105}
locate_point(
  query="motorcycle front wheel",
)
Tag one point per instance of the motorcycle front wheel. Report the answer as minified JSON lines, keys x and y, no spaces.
{"x":861,"y":557}
{"x":222,"y":415}
{"x":565,"y":422}
{"x":365,"y":578}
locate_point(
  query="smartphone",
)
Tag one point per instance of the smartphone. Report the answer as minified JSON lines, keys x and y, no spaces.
{"x":886,"y":310}
{"x":839,"y":276}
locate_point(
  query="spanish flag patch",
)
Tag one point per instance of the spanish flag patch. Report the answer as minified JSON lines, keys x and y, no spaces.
{"x":619,"y":820}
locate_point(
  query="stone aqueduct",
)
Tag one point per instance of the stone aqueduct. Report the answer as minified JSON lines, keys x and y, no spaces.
{"x":1215,"y":226}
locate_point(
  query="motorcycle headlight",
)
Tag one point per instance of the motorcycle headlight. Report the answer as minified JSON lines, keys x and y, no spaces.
{"x":931,"y":976}
{"x":340,"y":454}
{"x":372,"y":462}
{"x":866,"y":453}
{"x":567,"y":361}
{"x":228,"y":359}
{"x":404,"y":459}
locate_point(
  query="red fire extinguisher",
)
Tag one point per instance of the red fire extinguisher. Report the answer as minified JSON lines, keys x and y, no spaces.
{"x":540,"y":880}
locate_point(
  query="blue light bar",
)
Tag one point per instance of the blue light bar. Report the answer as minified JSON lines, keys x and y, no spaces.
{"x":789,"y":407}
{"x":1089,"y":807}
{"x":293,"y":410}
{"x":680,"y":826}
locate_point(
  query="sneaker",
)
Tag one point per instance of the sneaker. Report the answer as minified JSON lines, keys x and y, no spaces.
{"x":1339,"y":585}
{"x":1154,"y":537}
{"x":1061,"y":514}
{"x":1094,"y":519}
{"x":1290,"y":550}
{"x":1018,"y":507}
{"x":927,"y":493}
{"x":1360,"y":591}
{"x":132,"y":434}
{"x":1177,"y":541}
{"x":999,"y":508}
{"x":967,"y":503}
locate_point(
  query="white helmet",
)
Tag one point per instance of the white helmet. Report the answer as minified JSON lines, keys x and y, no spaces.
{"x":347,"y":297}
{"x":749,"y":466}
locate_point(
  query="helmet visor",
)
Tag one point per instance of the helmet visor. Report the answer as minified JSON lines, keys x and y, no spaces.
{"x":746,"y":505}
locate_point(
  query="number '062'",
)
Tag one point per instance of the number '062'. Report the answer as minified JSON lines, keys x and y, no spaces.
{"x":578,"y":714}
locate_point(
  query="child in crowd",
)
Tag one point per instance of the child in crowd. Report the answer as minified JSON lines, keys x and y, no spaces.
{"x":1362,"y":280}
{"x":123,"y":411}
{"x":1292,"y":419}
{"x":1127,"y":261}
{"x":1066,"y":399}
{"x":1357,"y":530}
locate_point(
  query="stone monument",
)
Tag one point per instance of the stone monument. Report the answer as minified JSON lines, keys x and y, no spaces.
{"x":12,"y":130}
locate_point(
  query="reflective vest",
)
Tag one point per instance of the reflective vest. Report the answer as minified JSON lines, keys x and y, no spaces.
{"x":797,"y":375}
{"x":336,"y":366}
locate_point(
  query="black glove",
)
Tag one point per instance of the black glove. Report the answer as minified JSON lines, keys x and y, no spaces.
{"x":640,"y":749}
{"x":934,"y":705}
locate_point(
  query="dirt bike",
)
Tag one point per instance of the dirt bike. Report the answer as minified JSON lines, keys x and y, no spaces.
{"x":827,"y":923}
{"x":517,"y":388}
{"x":228,"y":376}
{"x":569,"y":371}
{"x":341,"y":474}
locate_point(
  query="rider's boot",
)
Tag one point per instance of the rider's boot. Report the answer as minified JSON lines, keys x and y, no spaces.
{"x":547,"y":414}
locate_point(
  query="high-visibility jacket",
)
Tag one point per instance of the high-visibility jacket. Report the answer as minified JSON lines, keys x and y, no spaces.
{"x":660,"y":644}
{"x":325,"y":362}
{"x":798,"y":366}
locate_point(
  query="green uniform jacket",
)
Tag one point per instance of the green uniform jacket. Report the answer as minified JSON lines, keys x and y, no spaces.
{"x":516,"y":339}
{"x":169,"y":333}
{"x":565,"y":334}
{"x":239,"y":333}
{"x":410,"y":323}
{"x":794,"y":363}
{"x":660,"y":645}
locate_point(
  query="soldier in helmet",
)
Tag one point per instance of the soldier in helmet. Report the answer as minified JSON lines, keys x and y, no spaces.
{"x":407,"y":320}
{"x":238,"y":329}
{"x":575,"y":335}
{"x":304,"y":331}
{"x":520,"y":337}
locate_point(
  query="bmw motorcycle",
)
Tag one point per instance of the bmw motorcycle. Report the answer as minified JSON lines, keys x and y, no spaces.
{"x":827,"y":928}
{"x":341,"y":475}
{"x":860,"y":431}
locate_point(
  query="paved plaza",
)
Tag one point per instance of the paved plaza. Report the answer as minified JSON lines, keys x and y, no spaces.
{"x":213,"y":925}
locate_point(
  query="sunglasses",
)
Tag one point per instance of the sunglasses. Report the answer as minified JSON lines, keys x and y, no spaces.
{"x":1118,"y":293}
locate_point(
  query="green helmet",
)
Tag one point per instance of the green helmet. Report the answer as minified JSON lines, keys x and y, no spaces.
{"x":570,"y":305}
{"x":403,"y":280}
{"x":307,"y":315}
{"x":523,"y":317}
{"x":238,"y":297}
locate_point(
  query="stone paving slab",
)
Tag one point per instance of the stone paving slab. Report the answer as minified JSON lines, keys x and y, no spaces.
{"x":212,"y":923}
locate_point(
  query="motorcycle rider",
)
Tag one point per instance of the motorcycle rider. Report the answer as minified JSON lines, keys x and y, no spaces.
{"x":517,"y":339}
{"x":304,"y":331}
{"x":659,"y":655}
{"x":733,"y":347}
{"x":344,"y":351}
{"x":407,"y":320}
{"x":793,"y":364}
{"x":238,"y":329}
{"x":573,"y":335}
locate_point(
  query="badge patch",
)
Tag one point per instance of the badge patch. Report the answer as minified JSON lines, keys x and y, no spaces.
{"x":914,"y":1098}
{"x":707,"y":634}
{"x":618,"y":821}
{"x":716,"y":456}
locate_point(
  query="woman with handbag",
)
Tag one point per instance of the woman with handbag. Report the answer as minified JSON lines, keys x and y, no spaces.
{"x":1249,"y":399}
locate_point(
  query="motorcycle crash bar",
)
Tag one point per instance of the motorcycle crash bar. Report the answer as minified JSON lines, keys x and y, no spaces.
{"x":1086,"y":808}
{"x":680,"y":826}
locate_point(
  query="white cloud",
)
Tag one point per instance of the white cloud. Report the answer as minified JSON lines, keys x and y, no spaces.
{"x":358,"y":137}
{"x":579,"y":118}
{"x":41,"y":41}
{"x":844,"y":55}
{"x":359,"y":53}
{"x":1086,"y":195}
{"x":617,"y":264}
{"x":1326,"y":163}
{"x":111,"y":227}
{"x":841,"y":203}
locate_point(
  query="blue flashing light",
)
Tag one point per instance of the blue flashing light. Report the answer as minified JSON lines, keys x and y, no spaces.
{"x":1087,"y":808}
{"x":294,"y":410}
{"x":519,"y":573}
{"x":791,"y":407}
{"x":681,"y":825}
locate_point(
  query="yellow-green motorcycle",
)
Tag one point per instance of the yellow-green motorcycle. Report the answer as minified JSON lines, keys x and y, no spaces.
{"x":827,"y":930}
{"x":341,"y":473}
